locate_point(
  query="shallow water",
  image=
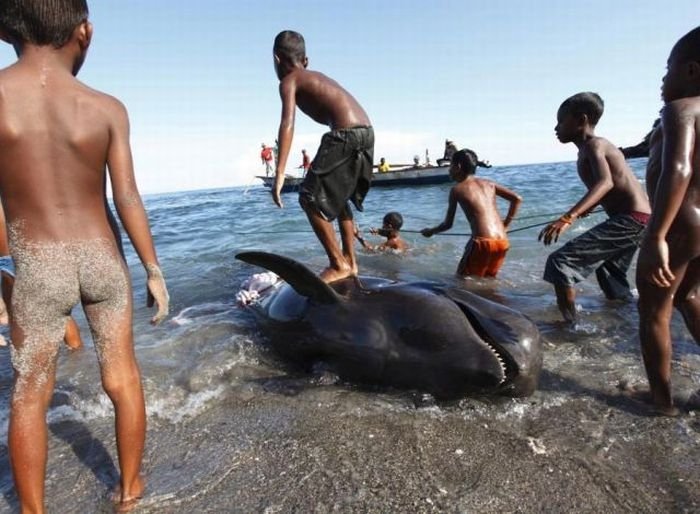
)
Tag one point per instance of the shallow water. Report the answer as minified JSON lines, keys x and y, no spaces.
{"x":232,"y":429}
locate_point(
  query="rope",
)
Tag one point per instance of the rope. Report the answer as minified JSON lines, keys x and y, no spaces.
{"x":409,"y":231}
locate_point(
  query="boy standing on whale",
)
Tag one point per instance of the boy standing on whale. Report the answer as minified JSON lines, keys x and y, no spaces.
{"x":342,"y":169}
{"x":668,"y":271}
{"x":58,"y":138}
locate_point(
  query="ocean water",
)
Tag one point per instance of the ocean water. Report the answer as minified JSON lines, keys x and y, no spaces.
{"x":232,"y":429}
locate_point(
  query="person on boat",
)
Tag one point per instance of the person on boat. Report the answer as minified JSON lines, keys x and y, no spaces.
{"x":450,"y":150}
{"x":486,"y":250}
{"x":341,"y":172}
{"x":416,"y":161}
{"x":266,"y":158}
{"x":391,"y":227}
{"x":305,"y":161}
{"x":383,"y":166}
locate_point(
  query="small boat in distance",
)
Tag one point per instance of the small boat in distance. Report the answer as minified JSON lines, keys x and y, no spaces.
{"x":402,"y":175}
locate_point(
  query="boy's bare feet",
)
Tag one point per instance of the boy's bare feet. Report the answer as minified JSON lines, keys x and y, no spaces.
{"x":126,"y":500}
{"x":643,"y":395}
{"x":331,"y":274}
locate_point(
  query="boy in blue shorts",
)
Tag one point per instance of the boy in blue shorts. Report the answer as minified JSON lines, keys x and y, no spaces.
{"x":607,"y":248}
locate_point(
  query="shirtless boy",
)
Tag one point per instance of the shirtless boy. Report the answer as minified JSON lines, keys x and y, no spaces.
{"x":57,"y":138}
{"x":342,"y":168}
{"x":391,"y":229}
{"x":607,"y":248}
{"x":486,"y":250}
{"x":668,"y":271}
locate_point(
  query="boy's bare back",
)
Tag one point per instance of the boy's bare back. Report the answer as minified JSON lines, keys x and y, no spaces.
{"x":477,"y":198}
{"x":56,"y":135}
{"x":322,"y":99}
{"x":625,"y":193}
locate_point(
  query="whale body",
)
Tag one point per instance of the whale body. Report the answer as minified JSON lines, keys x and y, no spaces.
{"x":422,"y":336}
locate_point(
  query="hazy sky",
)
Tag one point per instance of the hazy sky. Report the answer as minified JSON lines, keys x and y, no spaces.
{"x":198,"y":81}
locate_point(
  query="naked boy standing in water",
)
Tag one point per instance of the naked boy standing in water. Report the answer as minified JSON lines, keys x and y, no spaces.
{"x":57,"y":136}
{"x":668,"y":270}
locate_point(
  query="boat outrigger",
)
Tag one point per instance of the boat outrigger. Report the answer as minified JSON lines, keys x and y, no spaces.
{"x":396,"y":176}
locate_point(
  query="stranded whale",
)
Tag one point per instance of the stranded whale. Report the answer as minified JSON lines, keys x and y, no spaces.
{"x":423,"y":335}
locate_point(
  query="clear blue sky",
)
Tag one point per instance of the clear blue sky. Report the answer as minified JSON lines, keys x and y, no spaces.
{"x":198,"y":80}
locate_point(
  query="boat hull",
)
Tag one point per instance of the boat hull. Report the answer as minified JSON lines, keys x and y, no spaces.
{"x":423,"y":176}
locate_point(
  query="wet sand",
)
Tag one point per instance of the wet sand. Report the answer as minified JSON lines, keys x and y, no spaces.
{"x":280,"y":444}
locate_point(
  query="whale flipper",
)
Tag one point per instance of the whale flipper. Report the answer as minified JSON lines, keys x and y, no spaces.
{"x":302,"y":279}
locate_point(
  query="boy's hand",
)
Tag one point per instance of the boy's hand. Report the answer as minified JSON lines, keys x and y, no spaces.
{"x":551,"y":232}
{"x":653,"y":262}
{"x":427,"y":232}
{"x":277,"y":190}
{"x":157,"y":293}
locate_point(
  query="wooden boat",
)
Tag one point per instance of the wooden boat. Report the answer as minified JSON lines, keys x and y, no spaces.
{"x":291,"y":183}
{"x":397,"y":176}
{"x":412,"y":176}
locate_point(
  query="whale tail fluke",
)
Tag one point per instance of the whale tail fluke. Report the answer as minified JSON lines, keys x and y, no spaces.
{"x":299,"y":277}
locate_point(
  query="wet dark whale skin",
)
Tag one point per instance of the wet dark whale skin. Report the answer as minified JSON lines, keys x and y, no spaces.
{"x":423,"y":336}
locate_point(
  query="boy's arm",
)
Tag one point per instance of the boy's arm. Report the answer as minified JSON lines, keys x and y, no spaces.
{"x":602,"y":183}
{"x":285,"y":134}
{"x":130,"y":208}
{"x":671,"y":188}
{"x":514,"y":199}
{"x":449,"y":217}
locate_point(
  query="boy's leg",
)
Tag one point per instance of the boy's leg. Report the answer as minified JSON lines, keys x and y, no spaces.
{"x":655,"y":309}
{"x":687,"y":298}
{"x":35,"y":368}
{"x":106,"y":297}
{"x":566,"y":301}
{"x":612,"y":275}
{"x":339,"y":267}
{"x":346,"y":224}
{"x":72,"y":337}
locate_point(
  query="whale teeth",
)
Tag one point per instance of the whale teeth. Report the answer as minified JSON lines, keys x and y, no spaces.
{"x":500,"y":361}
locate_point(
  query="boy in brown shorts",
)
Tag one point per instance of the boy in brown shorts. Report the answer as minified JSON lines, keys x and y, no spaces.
{"x":486,"y":250}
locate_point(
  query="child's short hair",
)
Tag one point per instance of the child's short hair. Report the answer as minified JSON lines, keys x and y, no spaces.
{"x":590,"y":104}
{"x":466,"y":159}
{"x":290,"y":45}
{"x":42,"y":22}
{"x":688,"y":47}
{"x":393,"y":220}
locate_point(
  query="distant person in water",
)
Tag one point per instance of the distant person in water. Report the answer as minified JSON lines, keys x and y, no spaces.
{"x":641,"y":149}
{"x":341,"y":172}
{"x":305,"y":161}
{"x":391,"y":229}
{"x":607,"y":248}
{"x":383,"y":166}
{"x":668,"y":271}
{"x":266,"y":158}
{"x":58,"y":141}
{"x":486,"y":250}
{"x":7,"y":270}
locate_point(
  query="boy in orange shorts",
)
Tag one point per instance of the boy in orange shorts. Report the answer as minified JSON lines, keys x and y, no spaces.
{"x":486,"y":250}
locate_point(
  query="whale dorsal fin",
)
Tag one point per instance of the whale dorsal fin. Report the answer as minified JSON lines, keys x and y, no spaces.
{"x":302,"y":279}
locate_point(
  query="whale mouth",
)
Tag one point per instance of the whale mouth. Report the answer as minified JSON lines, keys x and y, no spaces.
{"x":508,"y":366}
